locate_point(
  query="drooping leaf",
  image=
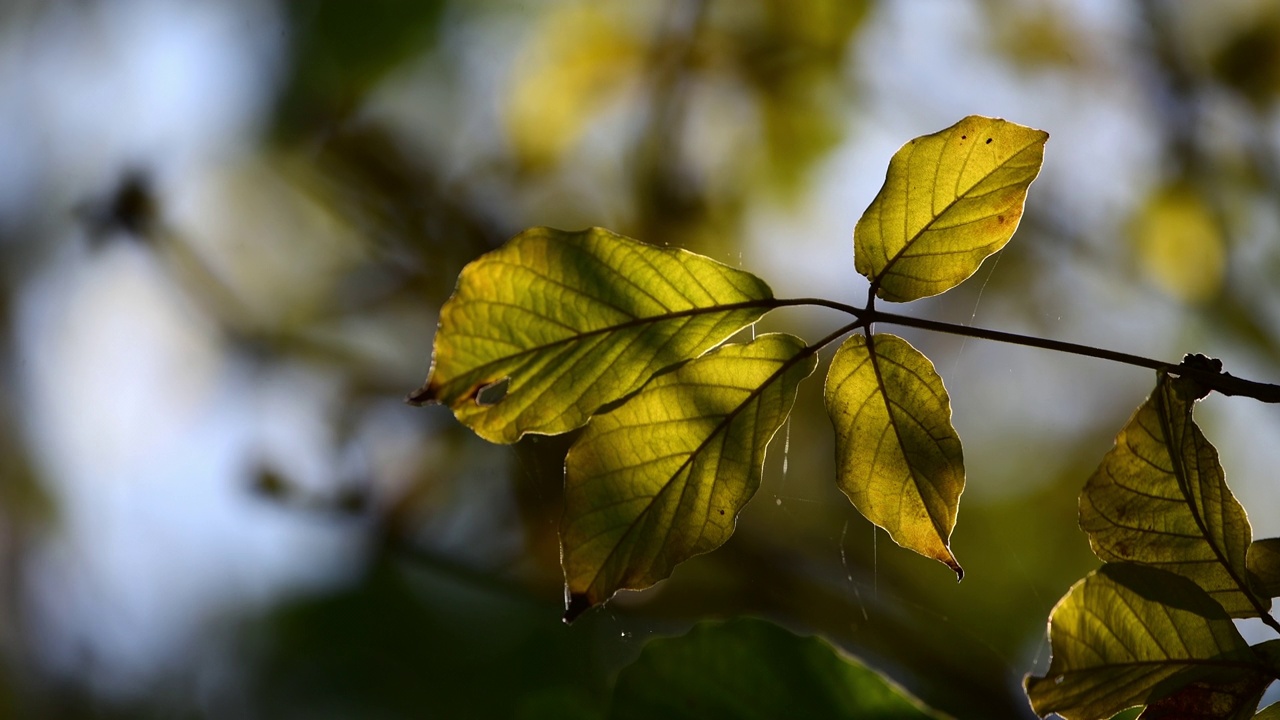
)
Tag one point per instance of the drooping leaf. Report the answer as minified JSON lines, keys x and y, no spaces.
{"x":553,"y":325}
{"x":662,"y":477}
{"x":1233,"y":699}
{"x":1129,"y":635}
{"x":898,"y":457}
{"x":1160,"y":498}
{"x":1263,"y":563}
{"x":753,"y":669}
{"x":949,"y":200}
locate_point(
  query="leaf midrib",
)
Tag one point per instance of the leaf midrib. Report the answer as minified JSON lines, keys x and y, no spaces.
{"x":897,"y":433}
{"x":1184,"y":485}
{"x":767,"y":303}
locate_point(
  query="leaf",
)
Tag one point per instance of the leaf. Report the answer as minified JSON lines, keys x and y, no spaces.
{"x":1234,"y":699}
{"x":898,"y":457}
{"x":1160,"y":498}
{"x":1263,"y":563}
{"x":949,"y":200}
{"x":1270,"y":712}
{"x":662,"y":477}
{"x":753,"y":669}
{"x":558,"y":324}
{"x":579,"y":59}
{"x":1129,"y":634}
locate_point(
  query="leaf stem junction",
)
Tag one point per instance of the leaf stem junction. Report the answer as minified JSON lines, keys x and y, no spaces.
{"x":1205,"y":371}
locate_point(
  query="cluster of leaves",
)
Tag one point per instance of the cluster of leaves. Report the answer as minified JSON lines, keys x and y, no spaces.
{"x":1154,"y":623}
{"x":557,"y":330}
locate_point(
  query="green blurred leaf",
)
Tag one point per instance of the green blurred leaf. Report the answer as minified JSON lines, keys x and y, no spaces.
{"x":949,"y":200}
{"x":553,"y":325}
{"x":753,"y":669}
{"x":898,"y":457}
{"x":1160,"y":498}
{"x":1270,"y":712}
{"x":1263,"y":563}
{"x":1249,"y":61}
{"x":341,"y":50}
{"x":662,"y":477}
{"x":1129,"y":634}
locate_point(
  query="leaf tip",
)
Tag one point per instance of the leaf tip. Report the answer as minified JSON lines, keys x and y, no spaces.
{"x":575,"y":605}
{"x":428,"y":394}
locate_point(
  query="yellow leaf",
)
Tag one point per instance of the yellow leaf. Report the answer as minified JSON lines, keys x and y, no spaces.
{"x":553,"y":325}
{"x":662,"y":477}
{"x":898,"y":457}
{"x":1160,"y":498}
{"x":579,"y":59}
{"x":1127,"y":635}
{"x":949,"y":201}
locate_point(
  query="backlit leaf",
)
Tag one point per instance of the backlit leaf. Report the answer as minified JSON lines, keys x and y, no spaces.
{"x":949,"y":200}
{"x":1128,"y":635}
{"x":1234,"y":699}
{"x":1263,"y":563}
{"x":662,"y":477}
{"x":898,"y":457}
{"x":753,"y":669}
{"x":1160,"y":498}
{"x":548,"y":328}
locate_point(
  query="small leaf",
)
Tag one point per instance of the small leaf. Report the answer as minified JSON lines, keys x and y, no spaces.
{"x":571,"y":321}
{"x":949,"y":200}
{"x":1128,"y":635}
{"x":662,"y":477}
{"x":753,"y":669}
{"x":898,"y":457}
{"x":1270,"y":712}
{"x":1160,"y":498}
{"x":1263,"y":563}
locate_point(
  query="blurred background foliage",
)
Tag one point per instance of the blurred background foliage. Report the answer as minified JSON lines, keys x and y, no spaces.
{"x":226,"y":229}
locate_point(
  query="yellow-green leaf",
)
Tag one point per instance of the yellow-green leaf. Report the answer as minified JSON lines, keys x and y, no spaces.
{"x":1160,"y":498}
{"x":1128,"y":635}
{"x":949,"y":200}
{"x":662,"y":477}
{"x":750,"y":669}
{"x":898,"y":457}
{"x":1263,"y":563}
{"x":553,"y":325}
{"x":1270,"y":712}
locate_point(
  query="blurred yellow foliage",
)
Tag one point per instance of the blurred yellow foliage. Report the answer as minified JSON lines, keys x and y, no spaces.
{"x":575,"y":62}
{"x":1179,"y":245}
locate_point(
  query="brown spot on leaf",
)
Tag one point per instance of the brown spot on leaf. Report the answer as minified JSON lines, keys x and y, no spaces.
{"x":988,"y":141}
